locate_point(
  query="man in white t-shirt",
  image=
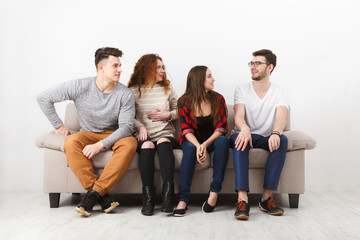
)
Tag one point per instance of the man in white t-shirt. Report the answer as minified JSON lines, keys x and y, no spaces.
{"x":260,"y":116}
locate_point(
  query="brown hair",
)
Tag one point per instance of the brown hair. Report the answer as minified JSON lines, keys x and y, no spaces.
{"x":196,"y":94}
{"x":145,"y":69}
{"x":268,"y":54}
{"x":105,"y":52}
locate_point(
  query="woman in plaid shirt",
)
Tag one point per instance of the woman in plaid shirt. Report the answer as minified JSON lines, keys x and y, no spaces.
{"x":203,"y":121}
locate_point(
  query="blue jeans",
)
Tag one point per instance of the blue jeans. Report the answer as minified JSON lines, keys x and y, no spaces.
{"x":221,"y":154}
{"x":274,"y":164}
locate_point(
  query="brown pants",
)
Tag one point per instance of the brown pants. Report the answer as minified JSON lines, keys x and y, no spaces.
{"x":124,"y":150}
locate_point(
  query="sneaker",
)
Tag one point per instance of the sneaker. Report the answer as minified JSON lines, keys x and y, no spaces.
{"x":242,"y":210}
{"x":107,"y":203}
{"x":87,"y":203}
{"x":271,"y":207}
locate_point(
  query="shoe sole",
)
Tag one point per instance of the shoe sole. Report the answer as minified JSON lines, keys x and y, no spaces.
{"x":83,"y":212}
{"x":202,"y":208}
{"x":274,"y":214}
{"x":179,"y":215}
{"x":147,"y":214}
{"x":242,"y":217}
{"x":112,"y":207}
{"x":175,"y":214}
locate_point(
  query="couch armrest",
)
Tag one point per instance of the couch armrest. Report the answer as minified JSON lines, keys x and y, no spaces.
{"x":298,"y":140}
{"x":52,"y":141}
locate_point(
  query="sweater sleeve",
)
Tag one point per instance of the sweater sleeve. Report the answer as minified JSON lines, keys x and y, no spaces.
{"x":59,"y":93}
{"x":173,"y":104}
{"x":137,"y":124}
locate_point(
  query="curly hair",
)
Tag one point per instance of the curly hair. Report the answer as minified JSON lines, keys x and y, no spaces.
{"x":105,"y":52}
{"x":145,"y":72}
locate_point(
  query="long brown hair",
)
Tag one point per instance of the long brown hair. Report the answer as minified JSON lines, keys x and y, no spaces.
{"x":195,"y":92}
{"x":145,"y":69}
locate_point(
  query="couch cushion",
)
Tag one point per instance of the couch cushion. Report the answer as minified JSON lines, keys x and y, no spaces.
{"x":51,"y":141}
{"x":298,"y":140}
{"x":100,"y":160}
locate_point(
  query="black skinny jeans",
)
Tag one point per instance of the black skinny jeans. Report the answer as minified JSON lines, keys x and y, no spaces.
{"x":166,"y":161}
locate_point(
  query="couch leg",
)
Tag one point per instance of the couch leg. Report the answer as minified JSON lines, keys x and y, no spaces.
{"x":294,"y":200}
{"x":54,"y":200}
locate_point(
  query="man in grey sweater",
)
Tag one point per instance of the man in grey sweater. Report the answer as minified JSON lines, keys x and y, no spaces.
{"x":106,"y":111}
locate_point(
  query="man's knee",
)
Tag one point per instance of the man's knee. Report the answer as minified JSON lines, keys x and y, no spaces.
{"x":71,"y":141}
{"x":283,"y":141}
{"x":129,"y":143}
{"x":232,"y":140}
{"x":241,"y":154}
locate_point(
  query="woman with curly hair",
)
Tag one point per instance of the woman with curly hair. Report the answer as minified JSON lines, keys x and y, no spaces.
{"x":156,"y":107}
{"x":203,"y":121}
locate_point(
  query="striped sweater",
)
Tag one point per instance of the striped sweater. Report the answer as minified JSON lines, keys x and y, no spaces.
{"x":152,"y":98}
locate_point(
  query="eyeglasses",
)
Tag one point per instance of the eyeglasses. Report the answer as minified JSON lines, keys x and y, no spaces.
{"x":256,"y":64}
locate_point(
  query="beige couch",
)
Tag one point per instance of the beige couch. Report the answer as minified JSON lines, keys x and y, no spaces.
{"x":58,"y":178}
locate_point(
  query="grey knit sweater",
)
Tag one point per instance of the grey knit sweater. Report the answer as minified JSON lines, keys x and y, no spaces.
{"x":98,"y":112}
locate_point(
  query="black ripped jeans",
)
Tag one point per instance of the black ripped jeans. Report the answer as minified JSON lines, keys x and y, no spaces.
{"x":166,"y":161}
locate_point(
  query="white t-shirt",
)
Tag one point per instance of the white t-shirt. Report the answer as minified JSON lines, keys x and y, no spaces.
{"x":259,"y":113}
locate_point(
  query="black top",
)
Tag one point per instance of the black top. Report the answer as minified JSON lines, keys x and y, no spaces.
{"x":205,"y":126}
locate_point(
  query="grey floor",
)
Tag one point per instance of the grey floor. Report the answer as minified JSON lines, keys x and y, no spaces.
{"x":321,"y":215}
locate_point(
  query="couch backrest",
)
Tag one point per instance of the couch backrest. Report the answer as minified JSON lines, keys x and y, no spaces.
{"x":72,"y":120}
{"x":72,"y":117}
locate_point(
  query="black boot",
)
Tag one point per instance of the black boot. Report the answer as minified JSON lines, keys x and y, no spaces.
{"x":148,"y":199}
{"x":167,"y":197}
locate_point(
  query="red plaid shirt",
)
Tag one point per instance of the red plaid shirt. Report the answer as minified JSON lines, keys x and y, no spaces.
{"x":188,"y":123}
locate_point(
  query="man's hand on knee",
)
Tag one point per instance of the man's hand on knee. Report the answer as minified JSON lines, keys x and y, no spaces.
{"x":92,"y":149}
{"x":243,"y":138}
{"x":62,"y":130}
{"x":274,"y":142}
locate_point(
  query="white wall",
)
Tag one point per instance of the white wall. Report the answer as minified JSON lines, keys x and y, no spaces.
{"x":43,"y":43}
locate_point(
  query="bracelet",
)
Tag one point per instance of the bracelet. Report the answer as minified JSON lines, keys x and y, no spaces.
{"x":276,"y":133}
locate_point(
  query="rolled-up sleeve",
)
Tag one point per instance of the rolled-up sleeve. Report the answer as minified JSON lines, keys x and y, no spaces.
{"x":222,"y":125}
{"x":184,"y":121}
